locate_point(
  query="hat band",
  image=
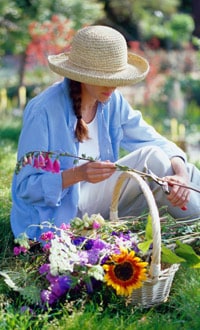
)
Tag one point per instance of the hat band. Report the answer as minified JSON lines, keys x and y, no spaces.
{"x":99,"y":68}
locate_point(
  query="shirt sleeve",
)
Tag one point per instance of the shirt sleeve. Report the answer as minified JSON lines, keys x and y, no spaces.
{"x":39,"y":187}
{"x":33,"y":185}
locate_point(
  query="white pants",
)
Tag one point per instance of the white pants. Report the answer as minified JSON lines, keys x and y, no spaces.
{"x":96,"y":198}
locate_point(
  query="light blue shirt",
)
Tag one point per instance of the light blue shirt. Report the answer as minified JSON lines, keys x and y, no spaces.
{"x":48,"y":125}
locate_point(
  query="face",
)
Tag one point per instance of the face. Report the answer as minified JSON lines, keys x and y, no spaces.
{"x":98,"y":93}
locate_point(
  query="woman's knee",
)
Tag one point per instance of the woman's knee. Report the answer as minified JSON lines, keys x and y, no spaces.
{"x":158,"y":162}
{"x":149,"y":157}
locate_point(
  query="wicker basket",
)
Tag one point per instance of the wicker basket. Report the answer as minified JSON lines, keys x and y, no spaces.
{"x":157,"y":287}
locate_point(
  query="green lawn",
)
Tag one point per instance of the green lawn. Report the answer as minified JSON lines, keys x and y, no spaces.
{"x":181,"y":311}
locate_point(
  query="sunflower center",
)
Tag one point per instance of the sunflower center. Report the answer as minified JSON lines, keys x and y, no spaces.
{"x":124,"y":271}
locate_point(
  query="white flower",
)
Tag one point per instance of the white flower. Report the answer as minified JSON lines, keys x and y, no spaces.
{"x":23,"y":240}
{"x":97,"y":272}
{"x":120,"y":241}
{"x":63,"y":255}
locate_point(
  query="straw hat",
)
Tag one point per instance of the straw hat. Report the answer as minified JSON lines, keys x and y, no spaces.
{"x":99,"y":56}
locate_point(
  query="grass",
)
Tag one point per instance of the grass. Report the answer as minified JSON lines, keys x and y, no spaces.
{"x":181,"y":311}
{"x":9,"y":132}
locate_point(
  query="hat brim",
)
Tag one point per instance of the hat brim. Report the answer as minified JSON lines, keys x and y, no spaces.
{"x":135,"y":71}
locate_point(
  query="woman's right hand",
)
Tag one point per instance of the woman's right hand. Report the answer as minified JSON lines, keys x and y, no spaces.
{"x":92,"y":172}
{"x":95,"y":171}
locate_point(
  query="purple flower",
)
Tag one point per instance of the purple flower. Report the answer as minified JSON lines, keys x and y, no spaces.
{"x":78,"y":240}
{"x":135,"y":248}
{"x":89,"y":244}
{"x":61,"y":286}
{"x":58,"y":288}
{"x":26,"y":309}
{"x":44,"y":268}
{"x":89,"y":286}
{"x":100,"y":244}
{"x":51,"y":278}
{"x":114,"y":233}
{"x":83,"y":255}
{"x":93,"y":256}
{"x":105,"y":259}
{"x":48,"y":297}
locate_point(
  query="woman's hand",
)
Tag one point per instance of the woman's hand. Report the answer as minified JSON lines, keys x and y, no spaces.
{"x":179,"y":196}
{"x":91,"y":172}
{"x":94,"y":172}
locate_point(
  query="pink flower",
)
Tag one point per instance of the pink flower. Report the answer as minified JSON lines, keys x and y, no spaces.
{"x":47,"y":236}
{"x":18,"y":250}
{"x":56,"y":166}
{"x":41,"y":161}
{"x":49,"y":165}
{"x":35,"y":162}
{"x":47,"y":247}
{"x":65,"y":226}
{"x":96,"y":225}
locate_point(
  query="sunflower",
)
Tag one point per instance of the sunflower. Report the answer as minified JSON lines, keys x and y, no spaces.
{"x":125,"y":272}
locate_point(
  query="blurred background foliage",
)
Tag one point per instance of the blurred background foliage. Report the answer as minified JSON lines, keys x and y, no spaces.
{"x":168,"y":23}
{"x":166,"y":32}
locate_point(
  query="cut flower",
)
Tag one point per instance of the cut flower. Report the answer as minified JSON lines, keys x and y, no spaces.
{"x":125,"y":272}
{"x":81,"y":259}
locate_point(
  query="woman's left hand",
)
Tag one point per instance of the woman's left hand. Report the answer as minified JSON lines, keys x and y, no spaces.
{"x":179,"y":196}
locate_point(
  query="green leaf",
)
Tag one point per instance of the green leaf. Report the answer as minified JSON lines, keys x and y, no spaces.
{"x":144,"y":246}
{"x":31,"y":294}
{"x":186,"y":251}
{"x":122,"y":167}
{"x":8,"y":280}
{"x":169,"y":256}
{"x":148,"y":229}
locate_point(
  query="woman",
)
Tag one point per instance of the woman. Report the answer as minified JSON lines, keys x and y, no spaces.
{"x":85,"y":114}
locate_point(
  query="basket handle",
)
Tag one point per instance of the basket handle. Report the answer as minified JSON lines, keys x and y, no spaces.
{"x":156,"y":253}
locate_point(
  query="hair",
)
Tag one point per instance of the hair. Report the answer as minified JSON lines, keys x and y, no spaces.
{"x":81,"y":130}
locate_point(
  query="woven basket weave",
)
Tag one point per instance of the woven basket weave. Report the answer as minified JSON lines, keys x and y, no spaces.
{"x":157,"y":287}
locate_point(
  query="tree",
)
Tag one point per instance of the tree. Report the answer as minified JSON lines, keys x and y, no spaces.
{"x":16,"y":17}
{"x":196,"y":17}
{"x":50,"y":37}
{"x":131,"y":16}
